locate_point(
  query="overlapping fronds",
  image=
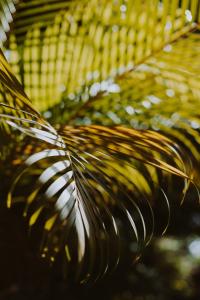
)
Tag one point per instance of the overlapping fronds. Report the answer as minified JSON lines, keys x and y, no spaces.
{"x":59,"y":46}
{"x":102,"y":186}
{"x":164,"y":95}
{"x":132,"y":63}
{"x":164,"y":84}
{"x":7,"y":9}
{"x":85,"y":180}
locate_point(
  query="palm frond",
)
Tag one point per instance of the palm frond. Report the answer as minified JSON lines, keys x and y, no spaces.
{"x":101,"y":186}
{"x":7,"y":9}
{"x":164,"y":96}
{"x":60,"y":46}
{"x":130,"y":63}
{"x":76,"y":181}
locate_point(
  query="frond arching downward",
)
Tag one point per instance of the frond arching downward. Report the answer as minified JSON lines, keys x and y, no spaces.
{"x":89,"y":186}
{"x":103,"y":185}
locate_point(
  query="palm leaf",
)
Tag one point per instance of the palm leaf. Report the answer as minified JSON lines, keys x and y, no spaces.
{"x":83,"y":42}
{"x":86,"y":186}
{"x":7,"y":9}
{"x":87,"y":189}
{"x":164,"y":96}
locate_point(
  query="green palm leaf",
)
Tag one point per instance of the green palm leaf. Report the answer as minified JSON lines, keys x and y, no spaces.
{"x":132,"y":63}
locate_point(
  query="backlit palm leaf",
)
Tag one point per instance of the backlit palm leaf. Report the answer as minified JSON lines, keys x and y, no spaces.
{"x":164,"y":96}
{"x":87,"y":185}
{"x":90,"y":188}
{"x":59,"y":46}
{"x":77,"y":183}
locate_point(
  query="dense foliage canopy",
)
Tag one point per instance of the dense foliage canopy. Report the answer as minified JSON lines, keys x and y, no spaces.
{"x":99,"y":111}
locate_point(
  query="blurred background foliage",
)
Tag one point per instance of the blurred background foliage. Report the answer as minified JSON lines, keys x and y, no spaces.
{"x":117,"y":62}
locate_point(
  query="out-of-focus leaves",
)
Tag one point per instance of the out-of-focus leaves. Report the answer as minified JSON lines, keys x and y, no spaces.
{"x":16,"y":111}
{"x":7,"y":9}
{"x":161,"y":94}
{"x":60,"y":46}
{"x":76,"y":182}
{"x":85,"y":186}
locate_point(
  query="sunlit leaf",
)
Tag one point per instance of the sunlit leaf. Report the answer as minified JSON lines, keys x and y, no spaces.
{"x":87,"y":189}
